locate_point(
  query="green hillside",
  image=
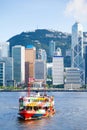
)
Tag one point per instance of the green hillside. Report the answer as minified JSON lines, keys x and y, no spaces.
{"x":41,"y":38}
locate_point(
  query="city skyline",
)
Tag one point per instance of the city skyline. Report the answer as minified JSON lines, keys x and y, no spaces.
{"x":19,"y":16}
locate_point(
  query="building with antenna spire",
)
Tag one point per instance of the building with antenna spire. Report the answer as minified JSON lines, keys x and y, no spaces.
{"x":77,"y":60}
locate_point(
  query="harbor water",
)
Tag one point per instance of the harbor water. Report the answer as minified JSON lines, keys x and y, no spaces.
{"x":71,"y":112}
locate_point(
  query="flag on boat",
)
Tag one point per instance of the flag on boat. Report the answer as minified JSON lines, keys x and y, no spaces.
{"x":31,"y":80}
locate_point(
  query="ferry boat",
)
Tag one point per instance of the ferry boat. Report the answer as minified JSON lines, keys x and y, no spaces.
{"x":36,"y":106}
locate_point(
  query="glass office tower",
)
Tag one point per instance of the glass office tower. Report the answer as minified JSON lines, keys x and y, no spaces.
{"x":77,"y":49}
{"x":18,"y":54}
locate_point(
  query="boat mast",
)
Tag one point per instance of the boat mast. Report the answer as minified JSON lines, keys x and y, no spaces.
{"x":44,"y":84}
{"x":29,"y":85}
{"x":30,"y":81}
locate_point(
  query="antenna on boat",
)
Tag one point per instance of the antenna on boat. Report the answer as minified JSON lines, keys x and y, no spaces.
{"x":44,"y":84}
{"x":29,"y":87}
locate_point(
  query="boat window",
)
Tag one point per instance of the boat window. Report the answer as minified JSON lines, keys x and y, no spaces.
{"x":35,"y":108}
{"x":28,"y":108}
{"x":39,"y":107}
{"x":21,"y":108}
{"x":28,"y":100}
{"x":46,"y":108}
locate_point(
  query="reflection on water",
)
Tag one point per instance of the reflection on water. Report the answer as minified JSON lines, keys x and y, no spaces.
{"x":71,"y":113}
{"x":34,"y":124}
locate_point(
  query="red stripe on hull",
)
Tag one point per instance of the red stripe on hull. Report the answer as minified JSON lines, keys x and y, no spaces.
{"x":26,"y":115}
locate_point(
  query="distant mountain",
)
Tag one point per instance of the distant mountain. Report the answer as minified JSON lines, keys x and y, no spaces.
{"x":41,"y":38}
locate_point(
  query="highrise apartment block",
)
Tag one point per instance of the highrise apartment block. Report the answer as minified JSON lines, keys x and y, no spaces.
{"x":30,"y":56}
{"x":40,"y":70}
{"x":18,"y":54}
{"x":4,"y":49}
{"x":58,"y":70}
{"x":72,"y":78}
{"x":51,"y":48}
{"x":6,"y":67}
{"x":2,"y":74}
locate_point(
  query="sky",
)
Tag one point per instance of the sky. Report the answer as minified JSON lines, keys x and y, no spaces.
{"x":17,"y":16}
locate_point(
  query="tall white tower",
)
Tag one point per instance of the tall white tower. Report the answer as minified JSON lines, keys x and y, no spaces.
{"x":77,"y":49}
{"x":58,"y":68}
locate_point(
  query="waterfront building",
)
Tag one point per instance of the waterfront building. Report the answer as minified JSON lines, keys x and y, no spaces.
{"x":77,"y":50}
{"x":58,"y":70}
{"x":40,"y":71}
{"x":4,"y":49}
{"x":18,"y":54}
{"x":85,"y":56}
{"x":11,"y":83}
{"x":49,"y":69}
{"x":2,"y":74}
{"x":6,"y":65}
{"x":72,"y":78}
{"x":42,"y":55}
{"x":30,"y":56}
{"x":51,"y":48}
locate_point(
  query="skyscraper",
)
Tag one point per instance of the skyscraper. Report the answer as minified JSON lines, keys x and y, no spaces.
{"x":2,"y":73}
{"x":51,"y":48}
{"x":30,"y":56}
{"x":85,"y":56}
{"x":4,"y":49}
{"x":18,"y":54}
{"x":40,"y":70}
{"x":77,"y":49}
{"x":42,"y":55}
{"x":6,"y":68}
{"x":72,"y":78}
{"x":58,"y":69}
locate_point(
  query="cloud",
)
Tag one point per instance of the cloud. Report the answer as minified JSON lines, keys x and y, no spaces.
{"x":77,"y":9}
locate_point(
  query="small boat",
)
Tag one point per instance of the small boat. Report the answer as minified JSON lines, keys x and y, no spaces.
{"x":36,"y":106}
